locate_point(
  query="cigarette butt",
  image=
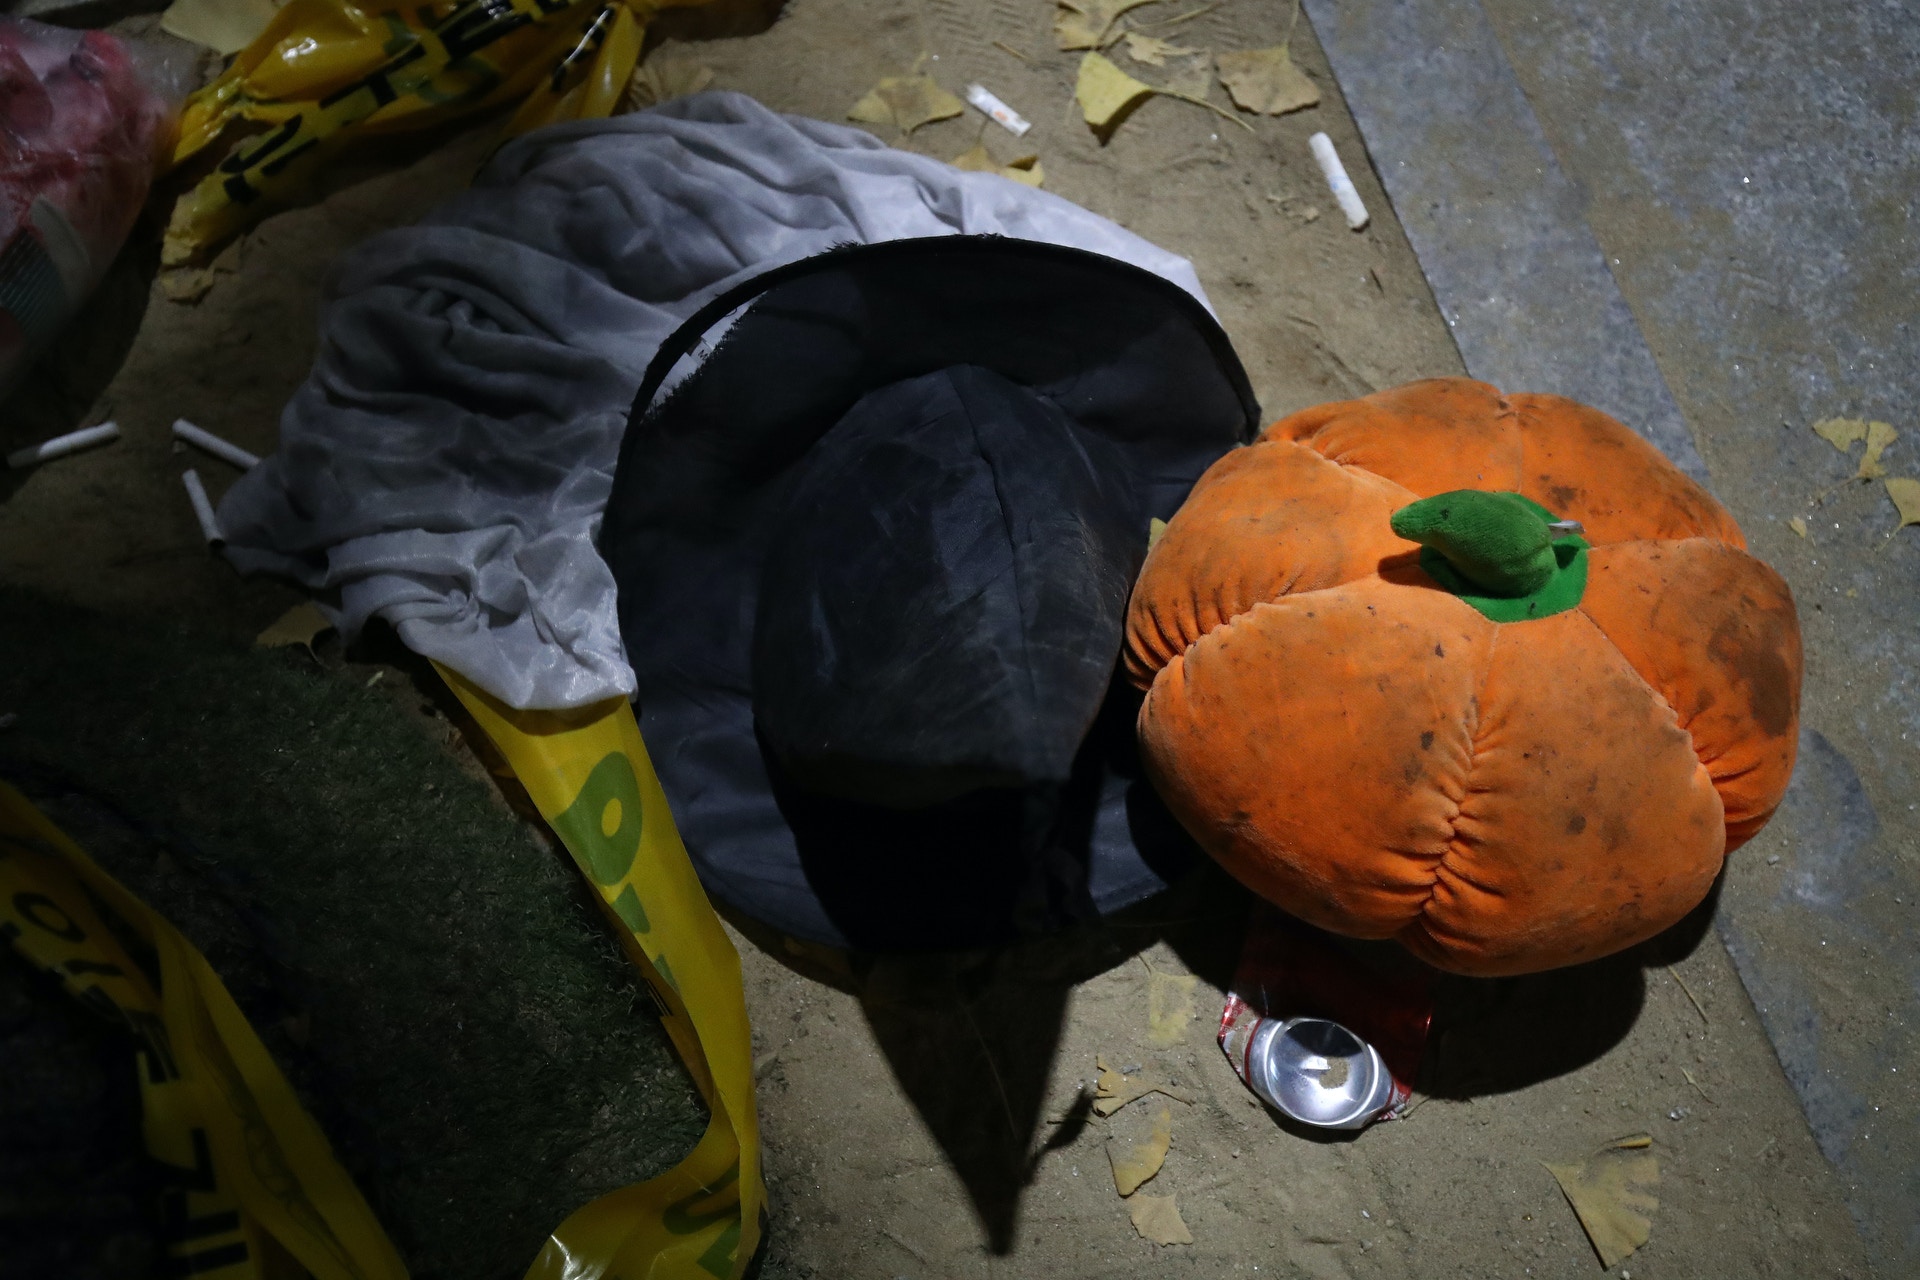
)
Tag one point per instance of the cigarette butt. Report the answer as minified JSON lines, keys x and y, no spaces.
{"x":214,"y":445}
{"x":60,"y":446}
{"x":1343,"y":191}
{"x":202,"y":508}
{"x":997,"y":111}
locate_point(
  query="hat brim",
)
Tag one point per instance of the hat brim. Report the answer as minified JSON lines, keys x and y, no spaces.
{"x":1120,"y":350}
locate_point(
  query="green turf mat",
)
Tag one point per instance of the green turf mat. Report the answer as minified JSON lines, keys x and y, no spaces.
{"x":429,"y":972}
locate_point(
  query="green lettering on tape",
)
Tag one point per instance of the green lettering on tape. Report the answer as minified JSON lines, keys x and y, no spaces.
{"x":679,"y":1217}
{"x":602,"y":825}
{"x":632,"y":914}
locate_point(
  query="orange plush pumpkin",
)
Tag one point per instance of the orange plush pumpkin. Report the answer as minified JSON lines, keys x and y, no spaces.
{"x":1507,"y":742}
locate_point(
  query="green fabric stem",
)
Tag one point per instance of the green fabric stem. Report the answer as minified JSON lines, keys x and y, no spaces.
{"x":1497,"y":552}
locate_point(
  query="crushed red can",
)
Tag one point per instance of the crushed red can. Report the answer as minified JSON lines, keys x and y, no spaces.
{"x":1317,"y":1032}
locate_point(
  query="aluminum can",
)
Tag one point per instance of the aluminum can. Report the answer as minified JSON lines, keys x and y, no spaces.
{"x":1319,"y":1073}
{"x":1323,"y":1038}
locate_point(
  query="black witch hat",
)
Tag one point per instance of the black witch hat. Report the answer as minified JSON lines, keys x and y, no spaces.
{"x":873,"y":559}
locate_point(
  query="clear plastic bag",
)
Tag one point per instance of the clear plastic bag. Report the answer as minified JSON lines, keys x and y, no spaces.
{"x":85,"y":121}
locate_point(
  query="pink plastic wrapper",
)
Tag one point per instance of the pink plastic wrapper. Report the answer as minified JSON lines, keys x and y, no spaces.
{"x":82,"y":129}
{"x":1288,"y":970}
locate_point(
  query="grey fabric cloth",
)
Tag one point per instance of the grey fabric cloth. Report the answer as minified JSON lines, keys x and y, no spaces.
{"x":446,"y":463}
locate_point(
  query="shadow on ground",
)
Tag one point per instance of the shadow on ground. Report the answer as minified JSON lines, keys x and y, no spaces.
{"x":975,"y":1034}
{"x":1500,"y":1035}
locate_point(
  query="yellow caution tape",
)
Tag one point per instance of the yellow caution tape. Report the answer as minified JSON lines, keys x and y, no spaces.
{"x":588,"y":774}
{"x":254,"y":1191}
{"x":324,"y":72}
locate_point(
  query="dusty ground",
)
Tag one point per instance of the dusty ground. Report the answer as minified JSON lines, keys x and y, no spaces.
{"x":889,"y":1147}
{"x":906,"y":1106}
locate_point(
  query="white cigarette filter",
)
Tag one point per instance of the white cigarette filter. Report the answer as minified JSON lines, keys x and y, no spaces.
{"x":1002,"y":114}
{"x":202,"y":508}
{"x":60,"y":446}
{"x":213,"y":444}
{"x":1343,"y":190}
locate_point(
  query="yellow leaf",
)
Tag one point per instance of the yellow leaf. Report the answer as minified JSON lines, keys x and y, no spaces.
{"x":1085,"y":24}
{"x":1879,"y":436}
{"x":1105,"y":92}
{"x":977,"y":159}
{"x":1602,"y":1191}
{"x":1135,"y":1162}
{"x":1906,"y":500}
{"x":1841,"y":433}
{"x":1266,"y":80}
{"x":1798,"y":525}
{"x":1154,"y":52}
{"x":1156,"y":530}
{"x":1027,"y":169}
{"x":662,"y":78}
{"x":1113,"y":1090}
{"x":1169,"y":1006}
{"x":299,"y":625}
{"x":906,"y":103}
{"x":1157,"y":1218}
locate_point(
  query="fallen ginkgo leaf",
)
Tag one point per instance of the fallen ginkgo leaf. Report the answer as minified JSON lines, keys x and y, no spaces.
{"x":1841,"y":433}
{"x":1844,"y":433}
{"x":1169,"y":1006}
{"x":1105,"y":92}
{"x":906,"y":103}
{"x":977,"y":159}
{"x":1879,"y":436}
{"x":1114,"y":1090}
{"x":1266,"y":80}
{"x":1154,"y":52}
{"x":1603,"y":1192}
{"x":1085,"y":24}
{"x":299,"y":625}
{"x":1135,"y":1162}
{"x":1798,"y":525}
{"x":662,"y":79}
{"x":1157,"y":1218}
{"x":1905,"y":494}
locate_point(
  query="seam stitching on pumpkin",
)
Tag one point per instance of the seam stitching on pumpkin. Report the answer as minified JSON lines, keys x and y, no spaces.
{"x":1685,"y":724}
{"x":1169,"y":642}
{"x":1286,"y":589}
{"x":1474,"y":738}
{"x":1286,"y":593}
